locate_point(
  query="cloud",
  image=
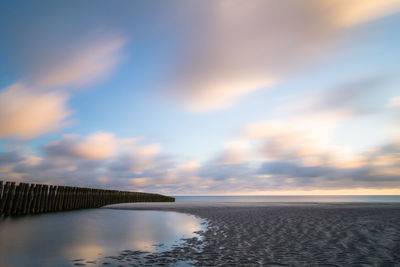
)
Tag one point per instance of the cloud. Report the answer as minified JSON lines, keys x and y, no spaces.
{"x":166,"y":176}
{"x":235,"y":152}
{"x":28,"y":110}
{"x":295,"y":152}
{"x":394,"y":102}
{"x":295,"y":138}
{"x":305,"y":131}
{"x":125,"y":156}
{"x":138,"y":159}
{"x":9,"y":157}
{"x":97,"y":159}
{"x":380,"y":171}
{"x":348,"y":99}
{"x":88,"y":63}
{"x":245,"y":46}
{"x":359,"y":11}
{"x":95,"y":146}
{"x":25,"y":114}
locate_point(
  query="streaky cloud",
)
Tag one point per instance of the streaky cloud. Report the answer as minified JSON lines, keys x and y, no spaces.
{"x":246,"y":46}
{"x":25,"y":114}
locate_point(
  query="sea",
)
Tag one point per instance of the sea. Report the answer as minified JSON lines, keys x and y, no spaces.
{"x":304,"y":199}
{"x":90,"y":237}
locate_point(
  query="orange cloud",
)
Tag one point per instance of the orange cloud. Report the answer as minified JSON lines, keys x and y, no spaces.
{"x":25,"y":115}
{"x":98,"y":145}
{"x":394,"y":102}
{"x":348,"y":14}
{"x":26,"y":112}
{"x":95,"y":146}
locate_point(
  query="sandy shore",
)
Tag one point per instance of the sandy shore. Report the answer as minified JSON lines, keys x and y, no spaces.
{"x":281,"y":234}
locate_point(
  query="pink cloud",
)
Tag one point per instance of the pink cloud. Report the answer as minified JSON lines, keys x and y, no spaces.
{"x":25,"y":115}
{"x":90,"y":62}
{"x":245,"y":46}
{"x":95,"y":146}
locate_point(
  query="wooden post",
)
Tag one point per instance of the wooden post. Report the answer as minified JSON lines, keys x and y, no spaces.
{"x":24,"y":197}
{"x":62,"y":194}
{"x":45,"y":197}
{"x":34,"y":189}
{"x":48,"y":199}
{"x":27,"y":199}
{"x":1,"y":196}
{"x":10,"y":199}
{"x":65,"y":199}
{"x":33,"y":198}
{"x":54,"y":202}
{"x":51,"y":199}
{"x":57,"y":198}
{"x":6,"y":192}
{"x":16,"y":200}
{"x":38,"y":197}
{"x":72,"y":198}
{"x":69,"y":197}
{"x":77,"y":197}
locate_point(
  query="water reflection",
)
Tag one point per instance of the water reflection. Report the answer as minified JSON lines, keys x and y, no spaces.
{"x":56,"y":239}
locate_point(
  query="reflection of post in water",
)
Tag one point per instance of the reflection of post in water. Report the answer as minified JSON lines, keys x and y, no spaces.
{"x":37,"y":198}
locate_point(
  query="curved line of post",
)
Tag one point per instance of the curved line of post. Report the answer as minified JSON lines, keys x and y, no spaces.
{"x":27,"y":198}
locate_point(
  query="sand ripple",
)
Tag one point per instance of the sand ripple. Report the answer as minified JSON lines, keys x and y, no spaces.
{"x":282,"y":234}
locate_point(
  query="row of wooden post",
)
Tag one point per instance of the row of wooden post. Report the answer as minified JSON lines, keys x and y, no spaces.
{"x":26,"y":198}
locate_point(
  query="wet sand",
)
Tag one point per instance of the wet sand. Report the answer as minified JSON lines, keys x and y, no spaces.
{"x":280,"y":234}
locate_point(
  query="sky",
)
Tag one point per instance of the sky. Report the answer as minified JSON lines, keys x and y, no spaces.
{"x":180,"y":97}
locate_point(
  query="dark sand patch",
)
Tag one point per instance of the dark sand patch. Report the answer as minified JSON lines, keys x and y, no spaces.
{"x":281,"y":234}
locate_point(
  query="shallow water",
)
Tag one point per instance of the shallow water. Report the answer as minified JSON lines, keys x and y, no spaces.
{"x":367,"y":199}
{"x":89,"y":236}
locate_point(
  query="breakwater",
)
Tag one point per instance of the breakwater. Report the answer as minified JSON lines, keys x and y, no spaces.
{"x":27,"y":198}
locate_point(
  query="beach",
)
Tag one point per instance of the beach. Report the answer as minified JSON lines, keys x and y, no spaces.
{"x":279,"y":234}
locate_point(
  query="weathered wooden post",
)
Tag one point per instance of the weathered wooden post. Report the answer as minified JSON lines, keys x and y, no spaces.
{"x":31,"y":200}
{"x":67,"y":196}
{"x":16,"y":200}
{"x":25,"y":205}
{"x":45,"y":197}
{"x":52,"y":198}
{"x":23,"y":196}
{"x":61,"y":202}
{"x":10,"y":199}
{"x":57,"y":199}
{"x":41,"y":198}
{"x":1,"y":196}
{"x":4,"y":198}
